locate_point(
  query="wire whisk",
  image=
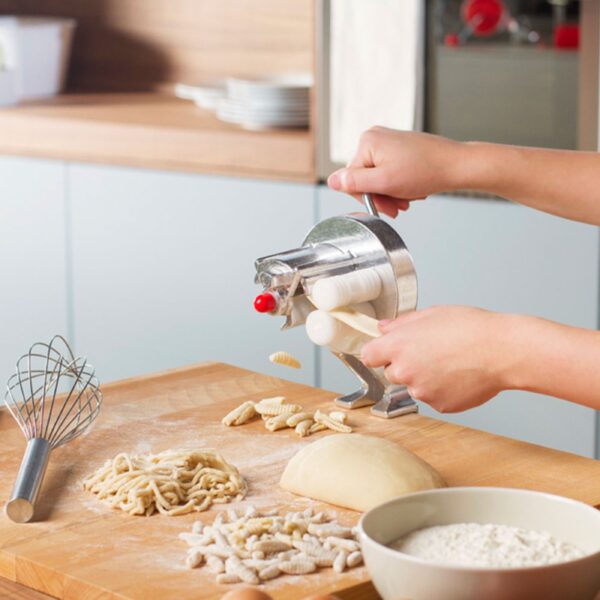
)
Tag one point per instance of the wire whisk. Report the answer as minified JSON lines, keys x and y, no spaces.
{"x":53,"y":397}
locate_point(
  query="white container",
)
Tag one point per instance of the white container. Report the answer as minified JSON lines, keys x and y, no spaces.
{"x":38,"y":49}
{"x":397,"y":575}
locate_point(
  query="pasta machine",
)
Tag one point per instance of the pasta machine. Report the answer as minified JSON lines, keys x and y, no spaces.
{"x":340,"y":250}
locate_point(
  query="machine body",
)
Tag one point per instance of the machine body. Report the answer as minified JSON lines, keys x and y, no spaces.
{"x":335,"y":247}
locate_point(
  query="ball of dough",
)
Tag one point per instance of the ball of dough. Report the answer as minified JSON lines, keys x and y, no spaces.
{"x":357,"y":471}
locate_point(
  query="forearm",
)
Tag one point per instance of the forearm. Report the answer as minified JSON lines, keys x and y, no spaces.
{"x":549,"y":358}
{"x":561,"y":182}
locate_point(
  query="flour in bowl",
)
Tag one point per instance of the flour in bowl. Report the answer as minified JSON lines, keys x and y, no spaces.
{"x":492,"y":546}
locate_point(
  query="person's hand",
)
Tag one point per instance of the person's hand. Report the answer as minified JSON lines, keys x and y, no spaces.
{"x":450,"y":357}
{"x":397,"y":167}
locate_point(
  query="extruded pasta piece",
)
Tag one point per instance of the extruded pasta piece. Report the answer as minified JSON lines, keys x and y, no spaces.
{"x":193,"y":539}
{"x":215,"y":564}
{"x":269,"y":572}
{"x":220,"y":539}
{"x":296,"y":526}
{"x":323,"y":558}
{"x":240,"y":415}
{"x":307,"y":547}
{"x":287,"y":555}
{"x":234,"y":566}
{"x":338,"y":415}
{"x":330,"y":423}
{"x":232,"y":515}
{"x":270,"y":546}
{"x":259,"y":525}
{"x":342,"y":543}
{"x":354,"y":559}
{"x":299,"y":566}
{"x":272,"y":410}
{"x":329,"y":529}
{"x":220,"y":551}
{"x":285,"y":359}
{"x":284,"y":537}
{"x":194,"y":559}
{"x":277,"y":422}
{"x":339,"y":564}
{"x":272,"y":400}
{"x":296,"y":418}
{"x":316,"y":427}
{"x":197,"y":527}
{"x":303,"y":428}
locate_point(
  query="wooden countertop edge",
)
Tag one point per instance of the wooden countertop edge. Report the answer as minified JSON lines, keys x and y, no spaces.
{"x":158,"y":165}
{"x":205,"y":145}
{"x":10,"y":590}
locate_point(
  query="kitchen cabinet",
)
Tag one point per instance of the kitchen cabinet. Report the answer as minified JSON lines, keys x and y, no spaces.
{"x":163,"y":269}
{"x":33,"y":302}
{"x":503,"y":257}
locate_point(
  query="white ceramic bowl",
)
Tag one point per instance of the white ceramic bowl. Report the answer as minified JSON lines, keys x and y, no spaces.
{"x":399,"y":576}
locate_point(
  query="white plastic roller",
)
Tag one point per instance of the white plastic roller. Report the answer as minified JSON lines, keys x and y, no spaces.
{"x":359,"y":286}
{"x":324,"y":330}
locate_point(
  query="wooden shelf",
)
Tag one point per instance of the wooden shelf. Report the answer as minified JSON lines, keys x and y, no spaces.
{"x":155,"y":131}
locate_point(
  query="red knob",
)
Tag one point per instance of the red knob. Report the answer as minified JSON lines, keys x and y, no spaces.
{"x":265,"y":303}
{"x":483,"y":15}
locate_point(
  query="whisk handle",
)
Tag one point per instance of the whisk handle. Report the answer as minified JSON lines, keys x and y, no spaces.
{"x":20,"y":507}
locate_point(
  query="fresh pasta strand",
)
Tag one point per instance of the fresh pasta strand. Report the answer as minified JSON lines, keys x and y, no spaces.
{"x":172,"y":482}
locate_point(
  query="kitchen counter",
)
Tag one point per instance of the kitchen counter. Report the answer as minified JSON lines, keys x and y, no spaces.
{"x":63,"y":554}
{"x":152,"y":130}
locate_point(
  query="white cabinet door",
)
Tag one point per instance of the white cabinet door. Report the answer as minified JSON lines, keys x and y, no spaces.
{"x":163,"y":269}
{"x":507,"y":258}
{"x":33,"y":302}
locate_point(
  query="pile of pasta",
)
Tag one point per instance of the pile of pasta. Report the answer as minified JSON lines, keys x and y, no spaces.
{"x":279,"y":414}
{"x":174,"y":482}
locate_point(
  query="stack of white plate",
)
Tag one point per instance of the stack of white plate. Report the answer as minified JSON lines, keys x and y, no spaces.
{"x":255,"y":103}
{"x":205,"y":94}
{"x":264,"y":103}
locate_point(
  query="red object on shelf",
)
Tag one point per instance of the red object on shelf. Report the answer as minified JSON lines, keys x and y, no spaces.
{"x":484,"y":16}
{"x":265,"y":303}
{"x":566,"y":36}
{"x":452,"y":40}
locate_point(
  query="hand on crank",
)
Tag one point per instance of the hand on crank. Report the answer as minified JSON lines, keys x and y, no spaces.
{"x":451,"y":357}
{"x":397,"y":167}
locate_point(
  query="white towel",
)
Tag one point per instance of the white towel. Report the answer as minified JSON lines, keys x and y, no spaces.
{"x":377,"y":56}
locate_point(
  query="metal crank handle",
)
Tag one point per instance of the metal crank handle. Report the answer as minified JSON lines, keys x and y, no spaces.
{"x":21,"y":506}
{"x":370,"y":205}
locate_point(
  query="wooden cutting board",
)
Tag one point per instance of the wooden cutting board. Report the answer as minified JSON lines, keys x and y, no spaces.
{"x":81,"y":549}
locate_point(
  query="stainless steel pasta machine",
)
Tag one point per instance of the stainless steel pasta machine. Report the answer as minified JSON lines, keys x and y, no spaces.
{"x":335,"y":249}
